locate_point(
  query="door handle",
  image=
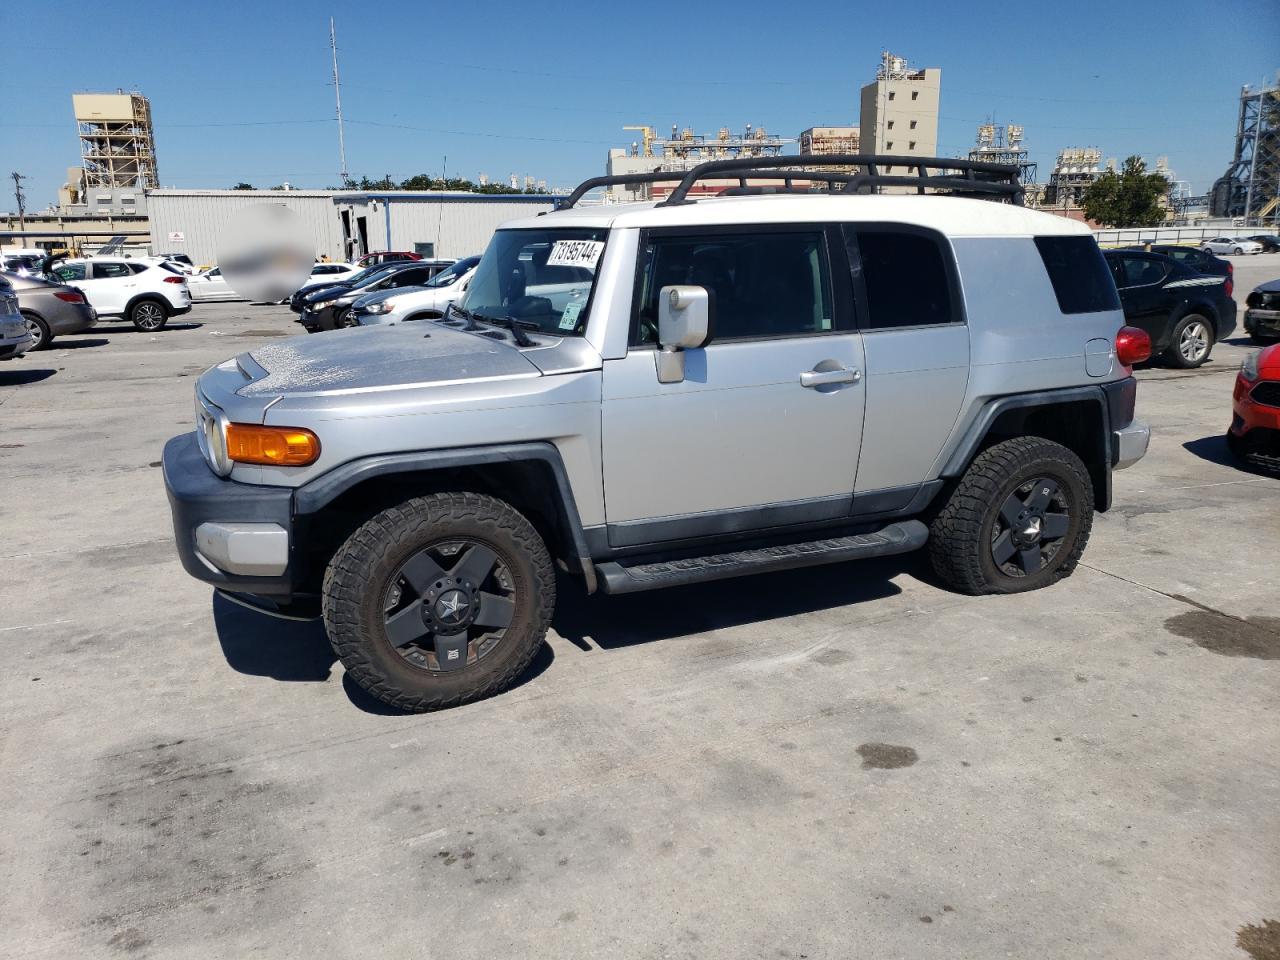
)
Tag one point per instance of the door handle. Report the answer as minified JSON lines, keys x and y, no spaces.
{"x":818,"y":378}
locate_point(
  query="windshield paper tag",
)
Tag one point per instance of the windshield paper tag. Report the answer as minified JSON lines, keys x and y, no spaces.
{"x":575,"y":253}
{"x":569,"y":319}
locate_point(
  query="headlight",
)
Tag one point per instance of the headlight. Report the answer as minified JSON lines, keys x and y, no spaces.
{"x":321,"y":304}
{"x":383,"y":306}
{"x":1249,"y":369}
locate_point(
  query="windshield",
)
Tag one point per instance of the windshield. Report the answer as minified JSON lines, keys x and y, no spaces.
{"x":451,"y":273}
{"x":541,"y":277}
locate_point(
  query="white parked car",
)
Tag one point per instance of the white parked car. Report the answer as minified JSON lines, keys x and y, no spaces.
{"x":1236,"y":245}
{"x":211,"y":285}
{"x":427,"y":302}
{"x":144,"y":293}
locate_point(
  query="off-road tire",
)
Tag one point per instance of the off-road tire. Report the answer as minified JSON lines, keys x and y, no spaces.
{"x":360,"y":573}
{"x":1173,"y":353}
{"x":149,"y":316}
{"x":960,"y":536}
{"x":40,"y":330}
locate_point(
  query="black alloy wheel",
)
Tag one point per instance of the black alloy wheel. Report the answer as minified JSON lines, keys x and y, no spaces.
{"x":449,"y":605}
{"x":1030,"y":528}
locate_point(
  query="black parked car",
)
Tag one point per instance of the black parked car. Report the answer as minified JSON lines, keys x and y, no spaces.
{"x":315,"y":284}
{"x":1262,"y":312}
{"x":1270,"y":243}
{"x":330,"y":307}
{"x":1185,"y":312}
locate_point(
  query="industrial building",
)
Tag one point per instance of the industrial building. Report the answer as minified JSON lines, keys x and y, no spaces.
{"x":1075,"y":170}
{"x":824,"y":141}
{"x":432,"y":223}
{"x":1249,"y":188}
{"x":1002,"y":143}
{"x":192,"y":221}
{"x":899,"y":109}
{"x":683,"y":151}
{"x":117,"y":142}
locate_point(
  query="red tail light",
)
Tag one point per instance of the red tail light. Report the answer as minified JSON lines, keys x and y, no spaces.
{"x":175,"y":279}
{"x":1132,"y":346}
{"x":1230,"y":284}
{"x":70,"y":297}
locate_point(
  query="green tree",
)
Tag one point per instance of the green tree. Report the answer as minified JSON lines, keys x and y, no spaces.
{"x":1130,"y":198}
{"x":244,"y":186}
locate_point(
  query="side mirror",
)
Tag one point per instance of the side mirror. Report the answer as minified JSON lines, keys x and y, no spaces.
{"x":685,"y":322}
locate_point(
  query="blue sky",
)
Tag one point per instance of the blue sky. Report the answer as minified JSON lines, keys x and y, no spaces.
{"x":242,"y":91}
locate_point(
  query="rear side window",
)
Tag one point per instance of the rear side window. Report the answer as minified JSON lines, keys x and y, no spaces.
{"x":103,"y":271}
{"x":1081,"y":281}
{"x":906,"y":278}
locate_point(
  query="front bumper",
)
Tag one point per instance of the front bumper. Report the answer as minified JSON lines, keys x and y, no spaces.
{"x":1261,"y":321}
{"x":236,"y":536}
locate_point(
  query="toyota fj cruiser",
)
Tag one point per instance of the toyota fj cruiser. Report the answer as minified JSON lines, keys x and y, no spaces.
{"x":648,"y":395}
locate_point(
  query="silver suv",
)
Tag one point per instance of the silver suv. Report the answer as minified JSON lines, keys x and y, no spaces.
{"x":647,"y":395}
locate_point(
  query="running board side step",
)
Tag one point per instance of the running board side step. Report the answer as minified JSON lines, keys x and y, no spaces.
{"x":900,"y":537}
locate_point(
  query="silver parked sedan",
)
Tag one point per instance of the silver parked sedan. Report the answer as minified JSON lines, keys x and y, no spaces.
{"x":14,"y":338}
{"x":51,"y":309}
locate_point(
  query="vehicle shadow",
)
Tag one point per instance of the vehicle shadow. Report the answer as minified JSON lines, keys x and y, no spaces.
{"x":629,"y":619}
{"x":1214,"y":449}
{"x":294,"y":651}
{"x":125,"y":327}
{"x":62,"y":343}
{"x":18,"y":378}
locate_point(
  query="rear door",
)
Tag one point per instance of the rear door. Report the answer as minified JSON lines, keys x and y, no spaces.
{"x":113,"y":285}
{"x":1140,"y":281}
{"x":764,"y":429}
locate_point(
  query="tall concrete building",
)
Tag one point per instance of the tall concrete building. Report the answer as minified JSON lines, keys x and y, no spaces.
{"x":900,"y":109}
{"x":117,"y":140}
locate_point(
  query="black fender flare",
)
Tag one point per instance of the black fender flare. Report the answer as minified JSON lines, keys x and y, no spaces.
{"x":314,"y":495}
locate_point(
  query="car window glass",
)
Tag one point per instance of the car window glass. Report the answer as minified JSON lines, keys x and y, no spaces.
{"x":70,"y":271}
{"x":104,"y":271}
{"x":767,"y":284}
{"x":1140,"y":272}
{"x":1081,"y":281}
{"x":906,"y":279}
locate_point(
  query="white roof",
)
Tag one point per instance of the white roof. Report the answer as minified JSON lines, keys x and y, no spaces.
{"x":952,"y":216}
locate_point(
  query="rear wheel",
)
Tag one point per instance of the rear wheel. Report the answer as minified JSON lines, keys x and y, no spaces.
{"x":148,"y":316}
{"x":39,"y":330}
{"x":440,"y":600}
{"x":1018,"y":519}
{"x":1192,"y":342}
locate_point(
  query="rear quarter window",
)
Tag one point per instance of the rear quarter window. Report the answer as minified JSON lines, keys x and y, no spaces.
{"x":1081,"y":281}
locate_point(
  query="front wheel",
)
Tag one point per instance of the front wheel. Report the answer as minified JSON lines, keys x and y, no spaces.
{"x":148,"y":316}
{"x":1018,"y":519}
{"x":347,"y":318}
{"x":440,"y":600}
{"x":1192,"y":342}
{"x":1238,"y":252}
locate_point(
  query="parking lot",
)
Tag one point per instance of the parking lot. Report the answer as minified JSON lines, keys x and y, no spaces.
{"x":834,"y":762}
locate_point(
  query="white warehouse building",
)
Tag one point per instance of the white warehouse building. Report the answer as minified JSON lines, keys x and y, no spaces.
{"x":431,"y":223}
{"x":344,"y":224}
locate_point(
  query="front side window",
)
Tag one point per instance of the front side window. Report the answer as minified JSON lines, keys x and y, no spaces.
{"x":905,"y":276}
{"x":542,"y":278}
{"x":766,"y":284}
{"x":449,"y":275}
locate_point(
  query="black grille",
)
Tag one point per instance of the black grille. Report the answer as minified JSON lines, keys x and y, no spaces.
{"x":1267,"y":392}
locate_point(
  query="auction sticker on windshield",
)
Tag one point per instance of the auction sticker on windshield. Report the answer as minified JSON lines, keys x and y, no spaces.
{"x":575,"y":253}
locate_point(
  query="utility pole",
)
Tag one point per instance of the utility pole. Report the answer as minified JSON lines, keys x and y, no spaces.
{"x":21,"y":196}
{"x":337,"y":95}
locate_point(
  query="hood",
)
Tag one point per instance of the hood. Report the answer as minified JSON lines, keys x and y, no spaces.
{"x":325,"y":291}
{"x":1271,"y":286}
{"x":380,"y":358}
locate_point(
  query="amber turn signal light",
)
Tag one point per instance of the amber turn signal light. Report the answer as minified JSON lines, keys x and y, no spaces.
{"x":273,"y":446}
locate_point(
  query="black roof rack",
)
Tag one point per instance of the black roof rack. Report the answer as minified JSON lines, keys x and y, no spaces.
{"x":958,"y":177}
{"x":626,"y":179}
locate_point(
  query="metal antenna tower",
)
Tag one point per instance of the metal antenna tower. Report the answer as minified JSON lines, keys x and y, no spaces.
{"x":337,"y":96}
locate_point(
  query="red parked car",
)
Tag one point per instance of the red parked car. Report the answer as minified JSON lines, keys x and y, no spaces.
{"x":1255,"y":428}
{"x":386,"y":256}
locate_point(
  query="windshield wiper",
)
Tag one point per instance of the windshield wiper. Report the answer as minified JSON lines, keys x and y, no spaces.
{"x":464,"y":313}
{"x":517,"y":328}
